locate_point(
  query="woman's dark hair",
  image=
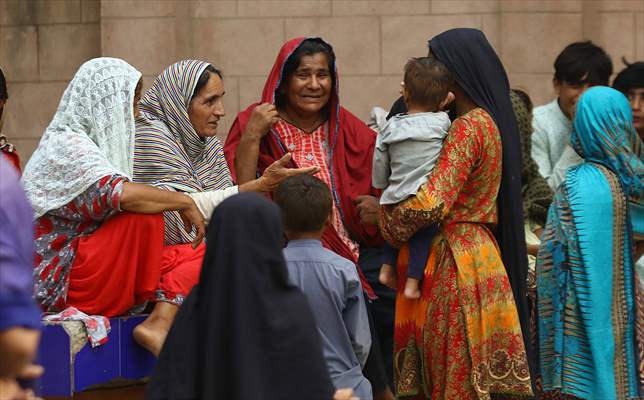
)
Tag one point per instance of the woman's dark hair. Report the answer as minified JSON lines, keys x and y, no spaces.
{"x":204,"y":78}
{"x":305,"y":202}
{"x":583,"y":62}
{"x":631,"y":77}
{"x":308,"y":47}
{"x":4,"y":95}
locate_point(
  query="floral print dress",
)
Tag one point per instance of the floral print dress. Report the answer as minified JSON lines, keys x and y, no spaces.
{"x":462,"y":338}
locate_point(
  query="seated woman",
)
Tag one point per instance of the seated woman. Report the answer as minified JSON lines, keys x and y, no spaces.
{"x":99,"y":237}
{"x":177,"y":149}
{"x":589,"y":301}
{"x":244,"y":332}
{"x":300,"y":114}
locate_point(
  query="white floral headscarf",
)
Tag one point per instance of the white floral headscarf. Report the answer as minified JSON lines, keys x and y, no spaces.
{"x":91,"y":135}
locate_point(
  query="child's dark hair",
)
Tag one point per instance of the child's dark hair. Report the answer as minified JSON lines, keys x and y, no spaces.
{"x":308,"y":47}
{"x":427,"y":82}
{"x":583,"y":63}
{"x":305,"y":202}
{"x":631,"y":77}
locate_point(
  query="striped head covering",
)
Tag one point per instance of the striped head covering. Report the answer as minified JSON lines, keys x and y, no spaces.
{"x":604,"y":133}
{"x":169,"y":154}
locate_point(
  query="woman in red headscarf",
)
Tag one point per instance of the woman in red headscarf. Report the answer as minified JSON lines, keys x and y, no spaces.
{"x":300,"y":114}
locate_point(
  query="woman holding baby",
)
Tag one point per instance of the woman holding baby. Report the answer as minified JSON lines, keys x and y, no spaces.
{"x":463,"y":337}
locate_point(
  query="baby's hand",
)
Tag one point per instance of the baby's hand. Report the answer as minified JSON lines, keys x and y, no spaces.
{"x":446,"y":101}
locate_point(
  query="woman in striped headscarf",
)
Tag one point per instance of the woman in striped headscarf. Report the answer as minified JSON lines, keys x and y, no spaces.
{"x":177,"y":150}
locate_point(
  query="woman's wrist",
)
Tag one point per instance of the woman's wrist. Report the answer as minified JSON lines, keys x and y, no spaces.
{"x":183,"y":201}
{"x":256,"y":185}
{"x":251,"y":135}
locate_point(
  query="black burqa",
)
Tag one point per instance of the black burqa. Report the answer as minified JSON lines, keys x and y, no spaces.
{"x":244,"y":332}
{"x":480,"y":73}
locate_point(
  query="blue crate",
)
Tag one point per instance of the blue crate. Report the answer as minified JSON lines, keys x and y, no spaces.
{"x":120,"y":358}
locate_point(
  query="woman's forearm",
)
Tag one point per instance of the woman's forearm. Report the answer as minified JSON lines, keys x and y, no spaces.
{"x":400,"y":221}
{"x":146,"y":199}
{"x":246,"y":157}
{"x":255,"y":185}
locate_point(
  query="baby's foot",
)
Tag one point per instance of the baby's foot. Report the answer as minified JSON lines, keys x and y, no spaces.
{"x":412,"y":288}
{"x":387,"y":276}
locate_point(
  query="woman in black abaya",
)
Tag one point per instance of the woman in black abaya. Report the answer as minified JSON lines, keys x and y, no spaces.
{"x":482,"y":98}
{"x":244,"y":332}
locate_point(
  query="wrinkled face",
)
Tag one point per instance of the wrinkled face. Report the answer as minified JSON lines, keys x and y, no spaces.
{"x":207,"y":107}
{"x":137,"y":97}
{"x":568,"y":95}
{"x":636,"y":98}
{"x":309,"y":88}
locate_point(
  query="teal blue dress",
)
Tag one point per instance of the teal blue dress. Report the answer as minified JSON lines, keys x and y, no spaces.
{"x":587,"y":290}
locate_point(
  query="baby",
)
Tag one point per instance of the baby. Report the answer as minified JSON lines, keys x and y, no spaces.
{"x":406,"y":152}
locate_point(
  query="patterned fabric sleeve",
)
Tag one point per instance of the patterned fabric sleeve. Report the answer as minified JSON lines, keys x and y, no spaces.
{"x":102,"y":199}
{"x":96,"y":203}
{"x":435,"y":198}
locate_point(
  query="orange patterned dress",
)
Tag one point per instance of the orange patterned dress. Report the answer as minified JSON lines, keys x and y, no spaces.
{"x":462,"y":338}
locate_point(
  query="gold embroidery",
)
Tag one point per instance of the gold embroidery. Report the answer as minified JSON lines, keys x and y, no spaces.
{"x":407,"y":367}
{"x":502,"y":373}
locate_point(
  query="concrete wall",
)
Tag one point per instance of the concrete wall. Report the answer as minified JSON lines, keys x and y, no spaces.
{"x":43,"y":42}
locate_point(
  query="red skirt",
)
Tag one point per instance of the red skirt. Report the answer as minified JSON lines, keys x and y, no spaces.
{"x":124,"y":263}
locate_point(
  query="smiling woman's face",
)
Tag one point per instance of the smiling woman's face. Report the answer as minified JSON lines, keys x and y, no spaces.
{"x":309,"y":87}
{"x":207,"y":107}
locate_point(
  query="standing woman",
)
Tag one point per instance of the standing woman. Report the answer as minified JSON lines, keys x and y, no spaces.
{"x":589,"y":297}
{"x":462,"y":339}
{"x":99,"y":236}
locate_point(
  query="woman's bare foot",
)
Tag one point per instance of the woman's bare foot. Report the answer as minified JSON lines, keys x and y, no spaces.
{"x":387,"y":276}
{"x":412,"y":288}
{"x":149,"y":338}
{"x":152,"y":332}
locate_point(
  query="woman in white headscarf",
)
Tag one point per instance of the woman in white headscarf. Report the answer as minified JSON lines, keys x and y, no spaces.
{"x":99,"y":236}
